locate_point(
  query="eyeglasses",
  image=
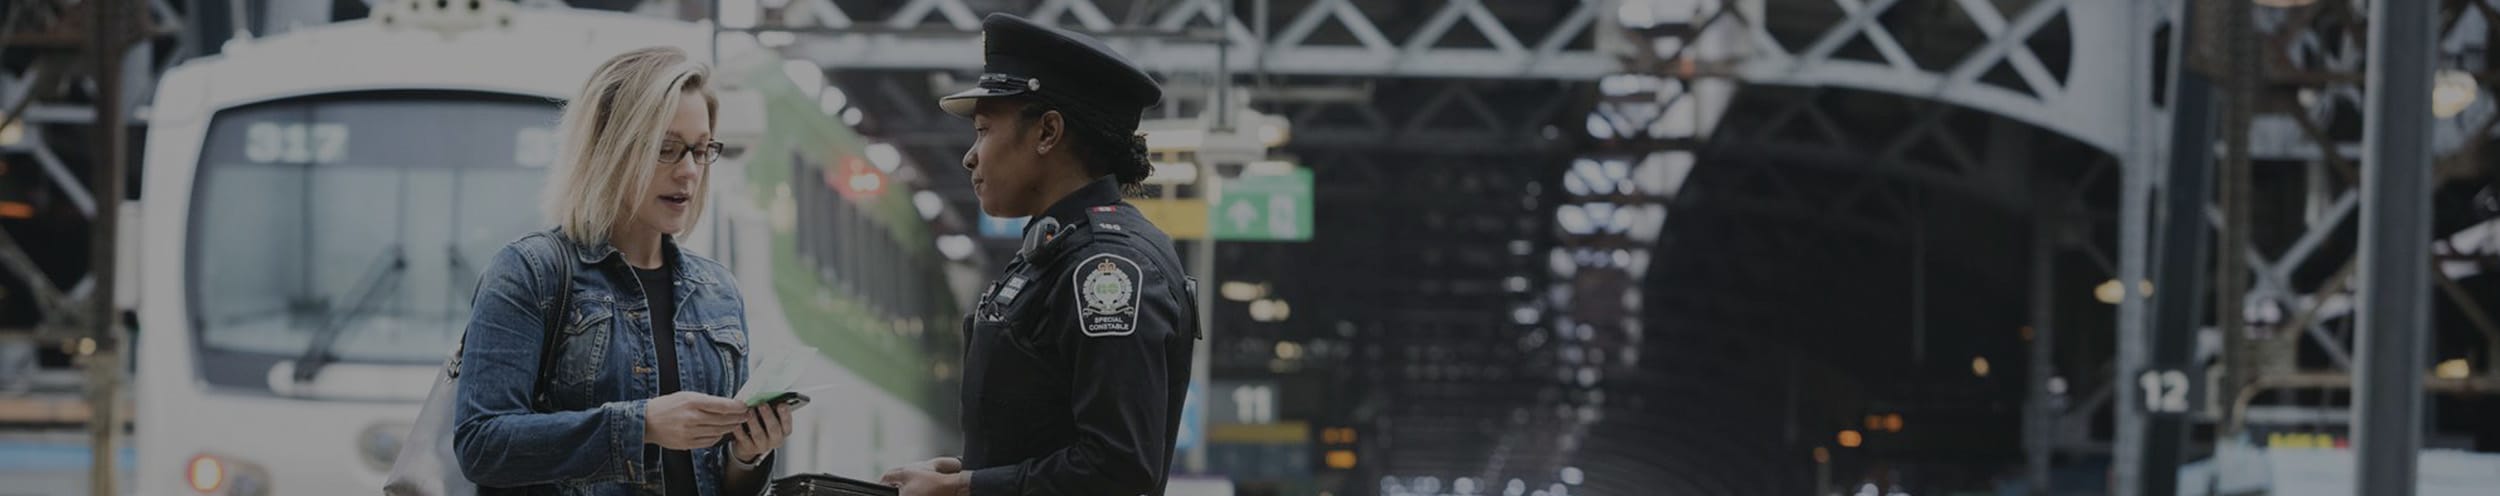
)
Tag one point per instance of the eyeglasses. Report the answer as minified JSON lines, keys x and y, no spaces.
{"x":673,"y":152}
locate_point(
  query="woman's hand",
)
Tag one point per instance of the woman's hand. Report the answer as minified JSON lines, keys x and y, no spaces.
{"x":766,"y":428}
{"x":687,"y":420}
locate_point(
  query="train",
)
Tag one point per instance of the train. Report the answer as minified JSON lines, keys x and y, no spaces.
{"x":318,"y":205}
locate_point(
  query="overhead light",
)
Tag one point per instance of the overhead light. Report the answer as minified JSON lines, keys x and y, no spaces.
{"x":1341,"y":459}
{"x":1850,"y":438}
{"x":832,"y":100}
{"x":1573,"y":475}
{"x":1979,"y":366}
{"x":884,"y":156}
{"x":1243,"y":291}
{"x":1275,"y":132}
{"x":1822,"y":455}
{"x":1288,"y":350}
{"x":2454,"y":368}
{"x":1524,"y":315}
{"x":2451,"y":92}
{"x":852,"y":116}
{"x":804,"y":74}
{"x":2111,"y":293}
{"x":1573,"y":182}
{"x":955,"y":246}
{"x":1599,"y":128}
{"x":1560,"y":262}
{"x":929,"y":204}
{"x":1573,"y":219}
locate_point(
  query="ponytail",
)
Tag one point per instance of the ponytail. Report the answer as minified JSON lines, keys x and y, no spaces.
{"x":1130,"y":168}
{"x":1100,"y":148}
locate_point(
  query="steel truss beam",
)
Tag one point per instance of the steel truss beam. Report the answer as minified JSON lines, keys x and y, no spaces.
{"x":2313,"y":61}
{"x":2088,"y":105}
{"x":35,"y":97}
{"x":936,"y":35}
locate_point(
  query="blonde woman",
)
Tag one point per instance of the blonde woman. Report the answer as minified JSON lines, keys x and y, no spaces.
{"x":650,"y":339}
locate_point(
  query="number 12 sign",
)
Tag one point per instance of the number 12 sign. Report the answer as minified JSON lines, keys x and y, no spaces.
{"x":2166,"y":391}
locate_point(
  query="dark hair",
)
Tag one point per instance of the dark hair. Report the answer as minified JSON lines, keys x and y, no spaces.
{"x":1120,"y":153}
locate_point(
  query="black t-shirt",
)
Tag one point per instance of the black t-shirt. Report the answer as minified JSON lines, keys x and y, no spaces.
{"x":661,"y":289}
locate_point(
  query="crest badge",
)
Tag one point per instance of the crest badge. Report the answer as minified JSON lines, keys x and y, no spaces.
{"x":1106,"y":289}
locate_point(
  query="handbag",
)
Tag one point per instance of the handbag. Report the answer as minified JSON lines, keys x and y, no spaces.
{"x":426,"y":465}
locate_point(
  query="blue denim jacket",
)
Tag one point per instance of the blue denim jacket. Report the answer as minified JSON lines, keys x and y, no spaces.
{"x":604,"y":370}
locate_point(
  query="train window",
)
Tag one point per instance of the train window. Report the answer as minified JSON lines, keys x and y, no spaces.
{"x":353,"y":228}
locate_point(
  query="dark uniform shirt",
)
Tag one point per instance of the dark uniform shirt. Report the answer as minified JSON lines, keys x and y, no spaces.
{"x":1078,"y":358}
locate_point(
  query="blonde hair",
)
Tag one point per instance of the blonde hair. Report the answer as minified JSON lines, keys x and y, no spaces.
{"x":611,"y":136}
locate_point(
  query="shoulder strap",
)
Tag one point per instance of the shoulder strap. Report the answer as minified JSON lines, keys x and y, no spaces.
{"x":554,"y":318}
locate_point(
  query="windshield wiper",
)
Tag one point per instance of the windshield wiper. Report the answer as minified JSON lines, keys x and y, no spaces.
{"x":382,"y":278}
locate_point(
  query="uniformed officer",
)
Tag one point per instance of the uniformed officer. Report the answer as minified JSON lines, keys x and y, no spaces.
{"x":1077,"y":358}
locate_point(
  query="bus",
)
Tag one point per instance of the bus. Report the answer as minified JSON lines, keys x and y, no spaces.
{"x":318,"y":205}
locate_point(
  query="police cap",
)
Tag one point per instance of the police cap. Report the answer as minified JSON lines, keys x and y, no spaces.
{"x":1077,"y":72}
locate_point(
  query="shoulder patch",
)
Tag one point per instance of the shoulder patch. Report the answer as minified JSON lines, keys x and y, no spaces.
{"x":1107,"y":296}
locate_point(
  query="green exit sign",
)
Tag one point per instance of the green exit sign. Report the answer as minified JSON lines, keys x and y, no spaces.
{"x":1264,"y":207}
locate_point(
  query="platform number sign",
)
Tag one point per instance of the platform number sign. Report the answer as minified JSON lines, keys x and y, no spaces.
{"x":1242,"y":402}
{"x":2165,"y":390}
{"x":1254,"y":404}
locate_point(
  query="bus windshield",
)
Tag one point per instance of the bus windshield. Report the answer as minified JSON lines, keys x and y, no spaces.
{"x":365,"y":217}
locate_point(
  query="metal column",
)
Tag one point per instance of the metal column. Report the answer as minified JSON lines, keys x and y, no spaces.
{"x":2039,"y":421}
{"x":2163,"y":383}
{"x":2134,"y":233}
{"x":2394,"y":248}
{"x":109,"y":40}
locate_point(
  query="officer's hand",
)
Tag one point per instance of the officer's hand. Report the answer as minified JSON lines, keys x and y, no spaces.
{"x":943,"y":465}
{"x":936,"y":477}
{"x":766,"y":428}
{"x":687,"y":420}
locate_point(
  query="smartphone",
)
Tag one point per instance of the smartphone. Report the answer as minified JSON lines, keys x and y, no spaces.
{"x":793,"y":399}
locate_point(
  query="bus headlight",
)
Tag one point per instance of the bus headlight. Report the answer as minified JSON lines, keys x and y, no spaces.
{"x":212,"y":474}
